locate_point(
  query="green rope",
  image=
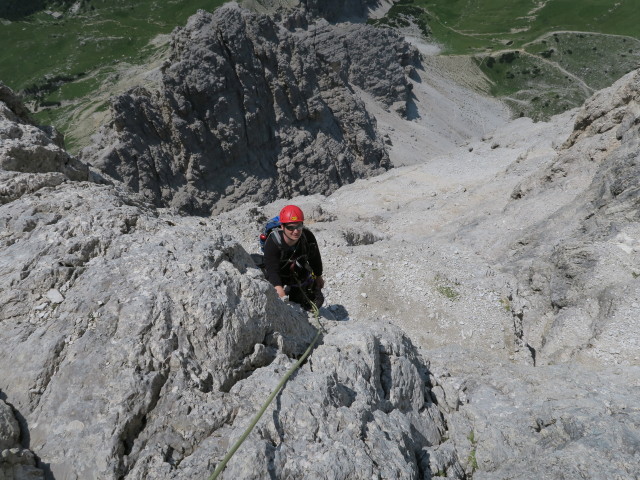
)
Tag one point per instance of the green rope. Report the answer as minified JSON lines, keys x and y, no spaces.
{"x":221,"y":466}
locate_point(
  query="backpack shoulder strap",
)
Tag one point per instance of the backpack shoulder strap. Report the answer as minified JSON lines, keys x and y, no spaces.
{"x":275,"y":233}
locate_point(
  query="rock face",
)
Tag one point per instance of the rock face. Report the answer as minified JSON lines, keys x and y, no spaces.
{"x":252,"y":111}
{"x":360,"y":409}
{"x":579,"y":294}
{"x":95,"y":300}
{"x":137,"y":345}
{"x":360,"y":53}
{"x":551,"y":422}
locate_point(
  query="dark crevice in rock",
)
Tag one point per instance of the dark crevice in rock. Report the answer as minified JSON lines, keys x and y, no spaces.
{"x":532,"y":352}
{"x":238,"y":82}
{"x":250,"y":364}
{"x":386,"y":380}
{"x":367,"y":418}
{"x":135,"y":425}
{"x":43,"y":381}
{"x":271,"y":455}
{"x":216,"y":324}
{"x":172,"y":457}
{"x":277,"y":423}
{"x":131,"y":430}
{"x":519,"y":342}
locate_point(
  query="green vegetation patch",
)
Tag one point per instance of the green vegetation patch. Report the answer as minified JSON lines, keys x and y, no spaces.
{"x":473,"y":26}
{"x":558,"y":71}
{"x":598,"y":60}
{"x":18,"y":9}
{"x":531,"y":86}
{"x":446,"y":287}
{"x":620,"y":17}
{"x":472,"y":460}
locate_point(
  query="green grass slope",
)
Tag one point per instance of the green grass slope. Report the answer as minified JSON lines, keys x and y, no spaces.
{"x":542,"y":56}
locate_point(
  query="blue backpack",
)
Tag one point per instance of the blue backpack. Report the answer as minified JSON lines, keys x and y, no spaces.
{"x":270,"y":225}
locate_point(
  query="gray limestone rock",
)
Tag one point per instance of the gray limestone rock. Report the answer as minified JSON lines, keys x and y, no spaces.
{"x":376,"y":60}
{"x":359,"y":408}
{"x":579,"y":294}
{"x":9,"y":428}
{"x":103,"y":303}
{"x":137,"y":344}
{"x":14,"y":185}
{"x":550,"y":422}
{"x":19,"y":464}
{"x":13,"y":106}
{"x":252,"y":111}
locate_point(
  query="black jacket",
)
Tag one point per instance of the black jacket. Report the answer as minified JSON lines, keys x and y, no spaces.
{"x":286,"y":265}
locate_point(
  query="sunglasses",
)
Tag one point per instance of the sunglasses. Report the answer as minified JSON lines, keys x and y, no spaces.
{"x":291,"y":228}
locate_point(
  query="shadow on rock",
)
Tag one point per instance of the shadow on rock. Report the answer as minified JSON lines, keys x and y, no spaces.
{"x":334,"y":312}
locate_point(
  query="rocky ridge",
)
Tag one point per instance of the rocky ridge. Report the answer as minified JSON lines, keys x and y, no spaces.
{"x":579,"y":267}
{"x":250,"y":110}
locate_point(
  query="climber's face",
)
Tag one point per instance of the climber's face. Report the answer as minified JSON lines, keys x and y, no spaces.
{"x":292,"y":231}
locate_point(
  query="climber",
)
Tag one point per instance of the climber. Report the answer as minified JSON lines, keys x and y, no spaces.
{"x":292,"y":260}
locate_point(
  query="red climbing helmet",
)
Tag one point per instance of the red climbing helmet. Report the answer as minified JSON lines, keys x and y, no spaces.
{"x":291,"y":214}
